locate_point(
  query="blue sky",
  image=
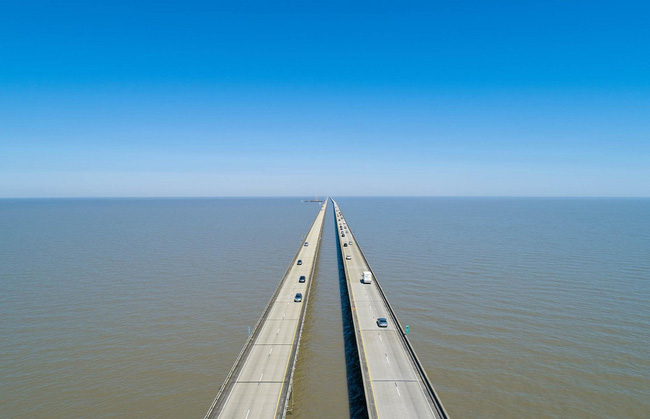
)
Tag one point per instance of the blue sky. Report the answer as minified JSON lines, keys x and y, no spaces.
{"x":204,"y":99}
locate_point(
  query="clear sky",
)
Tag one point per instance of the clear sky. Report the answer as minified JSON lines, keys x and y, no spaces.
{"x":521,"y":98}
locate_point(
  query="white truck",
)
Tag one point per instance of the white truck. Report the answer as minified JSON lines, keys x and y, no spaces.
{"x":367,"y":278}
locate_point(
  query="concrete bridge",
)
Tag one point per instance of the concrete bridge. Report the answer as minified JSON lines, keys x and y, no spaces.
{"x":259,"y":384}
{"x":394,"y":381}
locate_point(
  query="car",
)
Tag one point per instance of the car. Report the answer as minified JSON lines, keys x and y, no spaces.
{"x":382,"y":322}
{"x":302,"y":278}
{"x":350,"y":243}
{"x":343,"y":235}
{"x":299,"y":262}
{"x":298,"y":298}
{"x":306,"y":243}
{"x":348,"y":257}
{"x":345,"y":245}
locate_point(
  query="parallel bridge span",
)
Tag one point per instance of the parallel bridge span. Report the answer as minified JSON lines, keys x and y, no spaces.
{"x":259,"y":384}
{"x":395,"y":383}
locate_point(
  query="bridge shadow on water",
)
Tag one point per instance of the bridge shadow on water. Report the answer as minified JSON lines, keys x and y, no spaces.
{"x":356,"y":394}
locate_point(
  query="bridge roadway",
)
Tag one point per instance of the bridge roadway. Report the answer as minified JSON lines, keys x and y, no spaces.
{"x":395,"y":383}
{"x":259,"y":384}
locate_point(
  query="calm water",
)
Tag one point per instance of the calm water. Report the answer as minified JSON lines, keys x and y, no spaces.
{"x":138,"y":308}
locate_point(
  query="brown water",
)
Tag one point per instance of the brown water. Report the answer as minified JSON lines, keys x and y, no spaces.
{"x":138,"y":308}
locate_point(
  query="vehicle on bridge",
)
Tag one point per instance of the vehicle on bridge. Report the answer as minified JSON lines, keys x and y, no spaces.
{"x":367,"y":278}
{"x":298,"y":297}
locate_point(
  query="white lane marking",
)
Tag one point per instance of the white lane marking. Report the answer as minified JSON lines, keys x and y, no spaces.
{"x":263,"y":376}
{"x":270,"y":351}
{"x":386,"y":355}
{"x":396,"y":388}
{"x":277,"y":331}
{"x":248,"y":413}
{"x":380,"y":336}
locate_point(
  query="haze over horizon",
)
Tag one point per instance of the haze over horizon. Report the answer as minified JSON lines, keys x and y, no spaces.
{"x":197,"y":99}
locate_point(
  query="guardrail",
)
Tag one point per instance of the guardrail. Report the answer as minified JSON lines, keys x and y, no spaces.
{"x":437,"y":404}
{"x":228,"y":382}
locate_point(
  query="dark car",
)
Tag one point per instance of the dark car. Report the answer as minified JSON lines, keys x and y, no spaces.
{"x":306,"y":243}
{"x":299,"y":262}
{"x":302,"y":278}
{"x":345,"y":245}
{"x":382,"y":322}
{"x":298,"y":298}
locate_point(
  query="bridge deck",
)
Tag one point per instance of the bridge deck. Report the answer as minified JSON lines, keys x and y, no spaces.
{"x":259,"y":384}
{"x":395,"y":383}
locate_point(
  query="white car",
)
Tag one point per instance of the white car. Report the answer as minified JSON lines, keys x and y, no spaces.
{"x":348,"y":257}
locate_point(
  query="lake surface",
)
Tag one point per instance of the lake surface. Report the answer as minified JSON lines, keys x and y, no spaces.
{"x":517,"y":307}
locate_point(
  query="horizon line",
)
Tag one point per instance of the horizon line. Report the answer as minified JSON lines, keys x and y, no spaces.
{"x":328,"y":196}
